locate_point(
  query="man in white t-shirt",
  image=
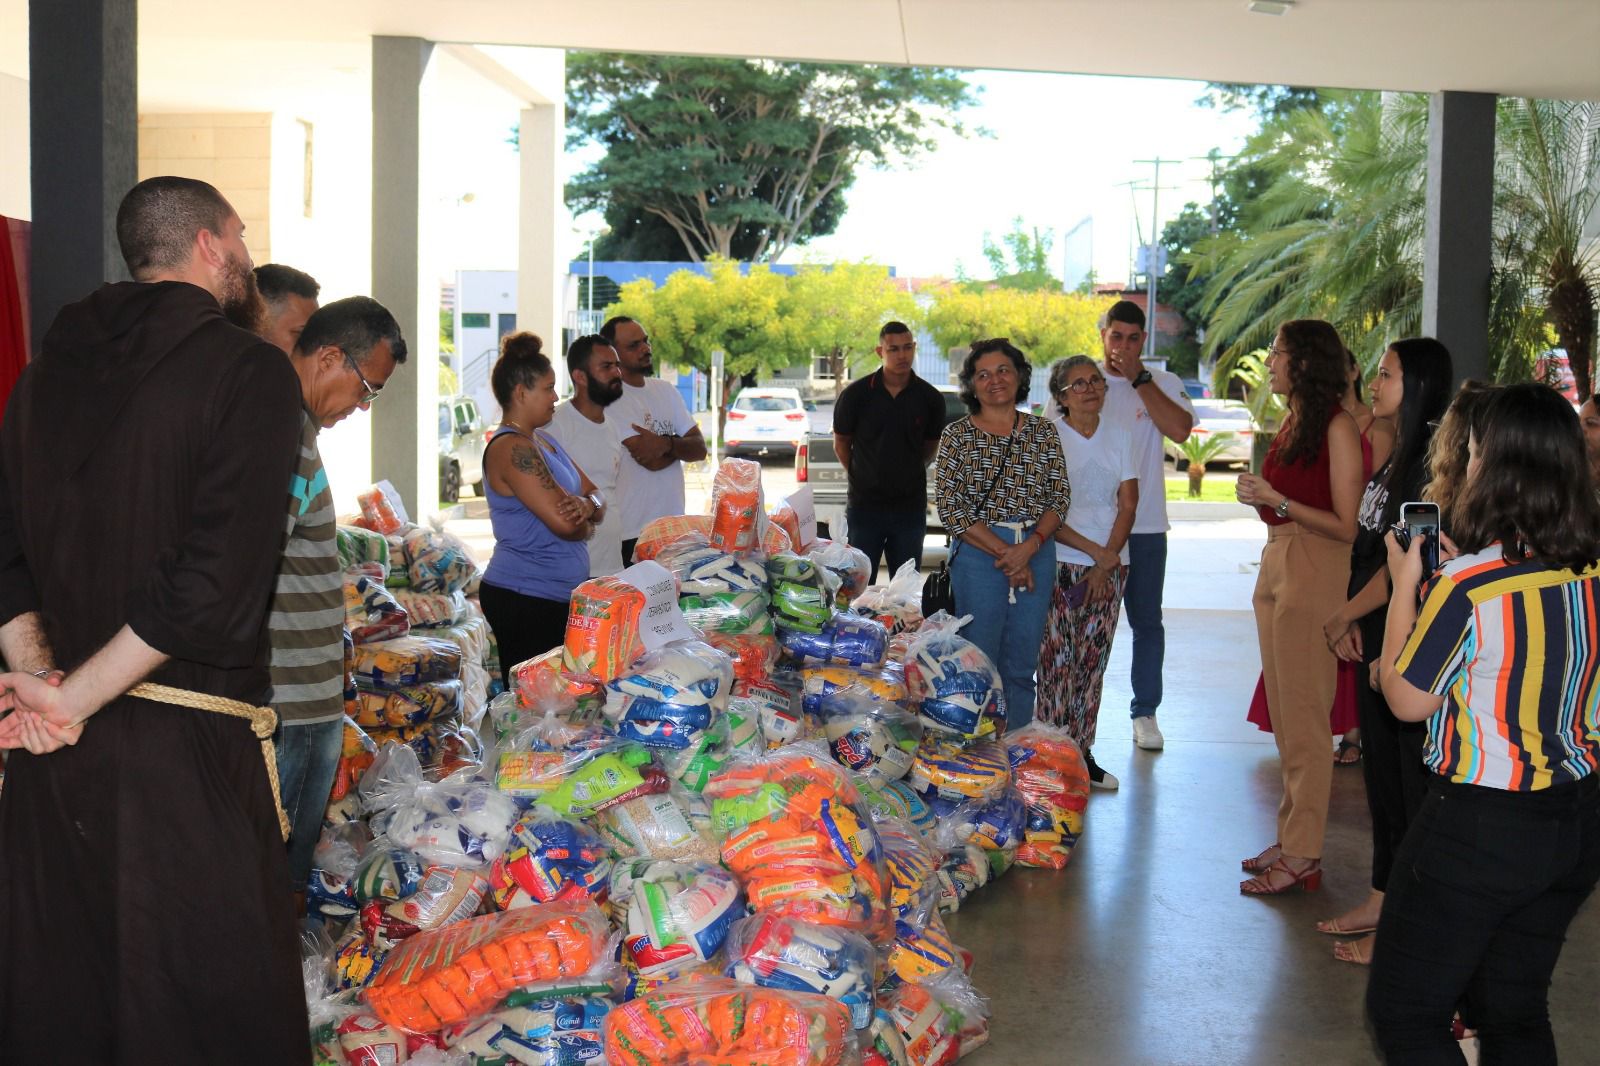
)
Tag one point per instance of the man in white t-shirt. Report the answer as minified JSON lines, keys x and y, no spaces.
{"x":591,"y":439}
{"x":658,"y":435}
{"x":1150,"y":405}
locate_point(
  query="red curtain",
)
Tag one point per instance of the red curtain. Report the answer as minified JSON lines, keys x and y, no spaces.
{"x":14,"y":241}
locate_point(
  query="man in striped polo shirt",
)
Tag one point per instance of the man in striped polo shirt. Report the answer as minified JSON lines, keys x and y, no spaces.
{"x":343,"y":357}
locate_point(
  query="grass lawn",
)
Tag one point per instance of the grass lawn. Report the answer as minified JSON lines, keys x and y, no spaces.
{"x":1216,"y":488}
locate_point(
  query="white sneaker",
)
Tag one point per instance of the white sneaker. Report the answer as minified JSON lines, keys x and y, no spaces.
{"x":1147,"y":735}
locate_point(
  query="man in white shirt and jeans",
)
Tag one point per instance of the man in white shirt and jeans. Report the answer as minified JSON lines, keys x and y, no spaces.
{"x":582,"y":427}
{"x":659,"y":435}
{"x":1150,"y":405}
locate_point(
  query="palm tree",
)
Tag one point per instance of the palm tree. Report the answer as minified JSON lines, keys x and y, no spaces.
{"x":1196,"y":451}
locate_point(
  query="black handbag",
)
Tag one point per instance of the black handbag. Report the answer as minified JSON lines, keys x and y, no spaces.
{"x":938,"y":592}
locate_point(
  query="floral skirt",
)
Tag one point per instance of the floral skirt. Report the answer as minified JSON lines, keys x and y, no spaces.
{"x":1073,"y":657}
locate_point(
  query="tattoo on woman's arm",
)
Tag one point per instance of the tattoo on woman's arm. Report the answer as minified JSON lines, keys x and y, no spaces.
{"x":527,"y":460}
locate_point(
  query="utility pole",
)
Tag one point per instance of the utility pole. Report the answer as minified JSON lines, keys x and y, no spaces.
{"x":1153,"y":259}
{"x":1216,"y":159}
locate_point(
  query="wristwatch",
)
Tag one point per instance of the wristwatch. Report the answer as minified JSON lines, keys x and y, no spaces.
{"x":1282,"y":510}
{"x":595,"y":501}
{"x":1143,"y":377}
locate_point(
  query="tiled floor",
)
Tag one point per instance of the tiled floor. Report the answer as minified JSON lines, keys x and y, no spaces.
{"x":1143,"y":952}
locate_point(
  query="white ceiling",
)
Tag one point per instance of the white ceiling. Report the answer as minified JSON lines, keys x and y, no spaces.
{"x":193,"y":51}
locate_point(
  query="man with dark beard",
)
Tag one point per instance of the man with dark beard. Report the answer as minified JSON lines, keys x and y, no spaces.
{"x":143,"y":464}
{"x":581,"y":426}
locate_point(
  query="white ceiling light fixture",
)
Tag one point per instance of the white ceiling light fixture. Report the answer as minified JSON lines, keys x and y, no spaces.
{"x":1270,"y":7}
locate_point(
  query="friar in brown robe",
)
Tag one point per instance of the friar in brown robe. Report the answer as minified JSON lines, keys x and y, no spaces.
{"x":145,"y":458}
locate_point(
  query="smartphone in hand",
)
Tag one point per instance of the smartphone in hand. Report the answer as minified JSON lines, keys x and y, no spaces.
{"x":1420,"y":519}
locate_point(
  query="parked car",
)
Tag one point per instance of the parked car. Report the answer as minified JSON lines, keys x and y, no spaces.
{"x":764,"y":420}
{"x":461,"y":444}
{"x":1197,"y":389}
{"x":817,"y":464}
{"x":1219,"y":416}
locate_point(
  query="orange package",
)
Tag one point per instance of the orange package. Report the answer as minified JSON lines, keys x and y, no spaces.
{"x":736,"y":510}
{"x":685,"y":1023}
{"x":664,"y":532}
{"x":603,"y":629}
{"x":460,"y":971}
{"x":1048,"y":769}
{"x":379,"y":512}
{"x":357,"y":753}
{"x":753,"y":654}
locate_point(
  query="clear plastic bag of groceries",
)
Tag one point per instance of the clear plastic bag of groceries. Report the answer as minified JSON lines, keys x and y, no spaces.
{"x":673,"y":824}
{"x":898,"y":604}
{"x":465,"y":970}
{"x":1048,"y":770}
{"x":408,"y":660}
{"x":550,"y":859}
{"x":437,"y":561}
{"x":677,"y":913}
{"x":794,"y":830}
{"x":850,"y":567}
{"x":331,"y":887}
{"x":802,"y":591}
{"x":668,"y":698}
{"x":952,"y":683}
{"x":948,"y":772}
{"x":371,"y":611}
{"x":546,"y":1027}
{"x":450,"y":823}
{"x":719,"y":591}
{"x":870,"y":736}
{"x":738,"y":513}
{"x":777,"y":952}
{"x":844,"y":640}
{"x":913,"y":867}
{"x":820,"y":684}
{"x":542,"y":686}
{"x":691,"y":1022}
{"x":768,"y":714}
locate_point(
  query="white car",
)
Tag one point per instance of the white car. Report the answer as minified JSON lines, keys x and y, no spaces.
{"x":765,"y":420}
{"x":1219,"y":416}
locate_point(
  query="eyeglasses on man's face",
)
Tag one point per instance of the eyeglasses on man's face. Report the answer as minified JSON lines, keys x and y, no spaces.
{"x":368,"y":392}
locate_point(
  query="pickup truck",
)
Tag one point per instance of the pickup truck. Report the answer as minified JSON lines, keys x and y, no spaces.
{"x":817,"y":464}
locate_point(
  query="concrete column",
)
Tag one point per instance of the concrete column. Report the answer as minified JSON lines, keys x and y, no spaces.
{"x":1460,"y":207}
{"x":542,"y":216}
{"x":84,"y":122}
{"x":404,"y":449}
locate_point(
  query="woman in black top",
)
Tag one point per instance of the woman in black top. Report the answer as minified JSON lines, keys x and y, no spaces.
{"x":1412,"y":389}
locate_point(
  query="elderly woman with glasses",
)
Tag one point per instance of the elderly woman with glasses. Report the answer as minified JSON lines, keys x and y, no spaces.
{"x":1091,"y":552}
{"x":1001,"y":489}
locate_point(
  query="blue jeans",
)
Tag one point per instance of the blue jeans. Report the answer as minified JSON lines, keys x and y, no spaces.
{"x":1009,"y":633}
{"x":308,"y":756}
{"x":896,"y":535}
{"x":1141,"y":601}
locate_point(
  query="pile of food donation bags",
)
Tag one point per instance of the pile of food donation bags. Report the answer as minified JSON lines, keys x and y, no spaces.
{"x":719,"y":825}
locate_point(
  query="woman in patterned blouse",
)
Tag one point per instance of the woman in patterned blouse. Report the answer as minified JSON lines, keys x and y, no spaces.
{"x":1001,"y":487}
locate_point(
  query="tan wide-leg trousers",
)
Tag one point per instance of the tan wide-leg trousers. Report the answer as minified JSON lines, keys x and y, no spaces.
{"x":1303,"y":580}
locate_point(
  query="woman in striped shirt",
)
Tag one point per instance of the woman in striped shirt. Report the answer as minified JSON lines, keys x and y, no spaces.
{"x":1503,"y":663}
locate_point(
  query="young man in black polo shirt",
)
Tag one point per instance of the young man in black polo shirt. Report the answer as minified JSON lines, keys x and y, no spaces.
{"x":886,"y":430}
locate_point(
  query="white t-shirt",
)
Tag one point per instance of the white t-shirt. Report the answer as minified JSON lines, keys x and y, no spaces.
{"x":647,"y":495}
{"x":598,"y":451}
{"x":1096,"y":468}
{"x":1125,"y":410}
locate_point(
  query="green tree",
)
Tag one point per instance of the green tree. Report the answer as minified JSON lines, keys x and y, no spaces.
{"x":1046,"y":325}
{"x":836,"y":311}
{"x":1021,"y":258}
{"x":741,"y":158}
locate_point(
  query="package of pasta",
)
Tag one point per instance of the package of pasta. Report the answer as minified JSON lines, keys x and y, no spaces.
{"x":737,"y":511}
{"x":602,"y":629}
{"x":871,"y":737}
{"x":794,"y":830}
{"x":850,"y":567}
{"x":719,"y":1021}
{"x":358,"y":545}
{"x":382,"y":510}
{"x":411,"y":705}
{"x":437,"y":561}
{"x":409,"y":660}
{"x":753,"y":655}
{"x":820,"y":684}
{"x":953,"y":684}
{"x":371,"y":613}
{"x":660,"y":825}
{"x":775,"y":952}
{"x":465,"y":970}
{"x":802,"y":592}
{"x":668,"y":698}
{"x":356,"y":753}
{"x":945,"y":769}
{"x":549,"y":859}
{"x":845,"y":640}
{"x":898,"y":605}
{"x":677,"y":913}
{"x":1048,"y":769}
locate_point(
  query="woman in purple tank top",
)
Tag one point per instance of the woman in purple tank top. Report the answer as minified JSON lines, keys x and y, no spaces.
{"x":542,"y":507}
